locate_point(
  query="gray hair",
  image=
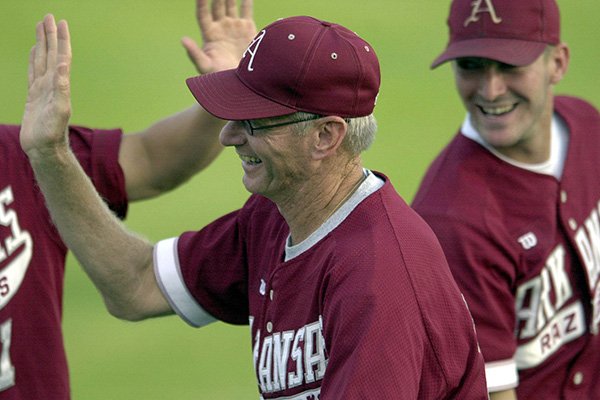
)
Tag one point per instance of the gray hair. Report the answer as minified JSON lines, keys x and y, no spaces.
{"x":360,"y":135}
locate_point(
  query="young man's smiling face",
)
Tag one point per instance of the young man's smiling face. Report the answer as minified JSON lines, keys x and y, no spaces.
{"x":510,"y":106}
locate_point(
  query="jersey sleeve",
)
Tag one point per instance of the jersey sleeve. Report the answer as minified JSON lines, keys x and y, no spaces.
{"x":204,"y":275}
{"x":98,"y":154}
{"x":486,"y":274}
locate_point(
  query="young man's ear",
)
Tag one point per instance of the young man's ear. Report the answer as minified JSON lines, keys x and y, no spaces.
{"x":331,"y":133}
{"x":559,"y":59}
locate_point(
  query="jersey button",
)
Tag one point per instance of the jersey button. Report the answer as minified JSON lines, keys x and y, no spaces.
{"x":578,"y":378}
{"x":271,"y":293}
{"x":269,"y":327}
{"x":572,"y":224}
{"x":563,"y":196}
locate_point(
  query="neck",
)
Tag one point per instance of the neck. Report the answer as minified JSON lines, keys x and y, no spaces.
{"x":532,"y":150}
{"x":308,"y":209}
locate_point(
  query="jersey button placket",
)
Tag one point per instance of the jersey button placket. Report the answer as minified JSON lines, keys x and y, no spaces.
{"x":269,"y":323}
{"x":267,"y":304}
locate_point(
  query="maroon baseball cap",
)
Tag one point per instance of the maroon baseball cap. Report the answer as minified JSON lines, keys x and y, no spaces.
{"x":295,"y":64}
{"x":513,"y":32}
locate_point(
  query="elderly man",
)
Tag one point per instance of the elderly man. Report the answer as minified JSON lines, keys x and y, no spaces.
{"x":345,"y":288}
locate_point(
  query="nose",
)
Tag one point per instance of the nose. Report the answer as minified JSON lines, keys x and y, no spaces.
{"x":492,"y":83}
{"x":233,"y":134}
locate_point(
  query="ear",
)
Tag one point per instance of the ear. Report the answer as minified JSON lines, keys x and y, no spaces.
{"x":329,"y":137}
{"x":559,"y":62}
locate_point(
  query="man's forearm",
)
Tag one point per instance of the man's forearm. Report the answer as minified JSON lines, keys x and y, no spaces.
{"x":169,"y":152}
{"x":121,"y":266}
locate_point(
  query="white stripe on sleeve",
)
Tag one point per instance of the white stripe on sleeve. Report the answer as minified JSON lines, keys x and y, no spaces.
{"x":170,"y":280}
{"x":501,"y":375}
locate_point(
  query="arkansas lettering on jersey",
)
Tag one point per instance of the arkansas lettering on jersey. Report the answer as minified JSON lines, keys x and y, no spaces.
{"x":368,"y":309}
{"x":304,"y":348}
{"x":33,"y":364}
{"x":525,"y":249}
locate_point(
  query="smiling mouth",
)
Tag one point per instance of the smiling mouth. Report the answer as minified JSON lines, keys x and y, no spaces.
{"x":496,"y":111}
{"x":251,"y":160}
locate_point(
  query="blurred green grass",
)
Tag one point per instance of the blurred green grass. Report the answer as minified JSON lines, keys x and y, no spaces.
{"x":129,"y":70}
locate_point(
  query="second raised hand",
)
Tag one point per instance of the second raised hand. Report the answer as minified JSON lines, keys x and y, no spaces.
{"x":225,"y":34}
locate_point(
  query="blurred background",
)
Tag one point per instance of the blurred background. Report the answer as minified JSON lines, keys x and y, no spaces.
{"x":129,"y":70}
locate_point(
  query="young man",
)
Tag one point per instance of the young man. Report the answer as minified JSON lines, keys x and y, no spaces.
{"x":346,"y":289}
{"x":514,"y":200}
{"x":123,"y":168}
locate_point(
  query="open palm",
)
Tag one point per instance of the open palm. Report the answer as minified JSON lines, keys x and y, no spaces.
{"x":48,"y":106}
{"x":226,"y":34}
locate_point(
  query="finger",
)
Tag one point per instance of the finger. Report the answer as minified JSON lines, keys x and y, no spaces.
{"x":203,"y":15}
{"x":40,"y":51}
{"x":246,"y":9}
{"x":51,"y":40}
{"x":196,"y":55}
{"x":231,"y":8}
{"x":218,"y":9}
{"x":64,"y":44}
{"x":31,"y":68}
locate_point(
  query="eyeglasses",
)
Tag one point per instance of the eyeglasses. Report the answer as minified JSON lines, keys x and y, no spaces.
{"x":251,"y":129}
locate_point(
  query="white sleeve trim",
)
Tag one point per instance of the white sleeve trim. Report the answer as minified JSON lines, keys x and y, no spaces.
{"x":501,"y":375}
{"x":170,"y":281}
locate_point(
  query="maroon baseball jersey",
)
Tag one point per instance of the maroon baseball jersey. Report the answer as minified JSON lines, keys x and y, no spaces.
{"x":525,"y":250}
{"x":32,"y":257}
{"x":368,"y":310}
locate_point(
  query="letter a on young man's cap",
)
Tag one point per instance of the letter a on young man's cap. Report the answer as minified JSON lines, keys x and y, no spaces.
{"x":295,"y":64}
{"x":513,"y":32}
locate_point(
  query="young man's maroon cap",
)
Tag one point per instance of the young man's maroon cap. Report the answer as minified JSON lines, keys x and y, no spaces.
{"x":514,"y":32}
{"x":295,"y":64}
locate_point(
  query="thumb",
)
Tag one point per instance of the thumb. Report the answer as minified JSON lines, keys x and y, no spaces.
{"x":196,"y":55}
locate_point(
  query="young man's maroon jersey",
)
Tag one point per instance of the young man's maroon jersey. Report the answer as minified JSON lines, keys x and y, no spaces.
{"x":525,"y":250}
{"x":32,"y":260}
{"x":366,"y":307}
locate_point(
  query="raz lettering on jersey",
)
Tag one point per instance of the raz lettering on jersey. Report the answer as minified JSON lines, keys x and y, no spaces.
{"x":587,"y":239}
{"x":16,"y":249}
{"x":545,"y":318}
{"x":565,"y":326}
{"x":288,"y":359}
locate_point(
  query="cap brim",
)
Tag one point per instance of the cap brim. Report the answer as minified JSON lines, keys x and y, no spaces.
{"x":225,"y":96}
{"x":507,"y":51}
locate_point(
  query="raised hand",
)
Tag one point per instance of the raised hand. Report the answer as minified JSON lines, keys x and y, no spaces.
{"x":48,"y":106}
{"x":225,"y":34}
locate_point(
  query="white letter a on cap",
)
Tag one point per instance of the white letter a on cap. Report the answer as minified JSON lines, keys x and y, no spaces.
{"x":478,"y":8}
{"x":253,"y":48}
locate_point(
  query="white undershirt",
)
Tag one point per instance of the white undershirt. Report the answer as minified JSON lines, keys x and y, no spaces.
{"x":559,"y":143}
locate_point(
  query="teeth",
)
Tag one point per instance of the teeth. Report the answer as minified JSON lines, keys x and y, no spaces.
{"x":250,"y":160}
{"x":497,"y":110}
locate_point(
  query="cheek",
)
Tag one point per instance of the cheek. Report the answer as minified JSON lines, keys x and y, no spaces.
{"x":465,"y":87}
